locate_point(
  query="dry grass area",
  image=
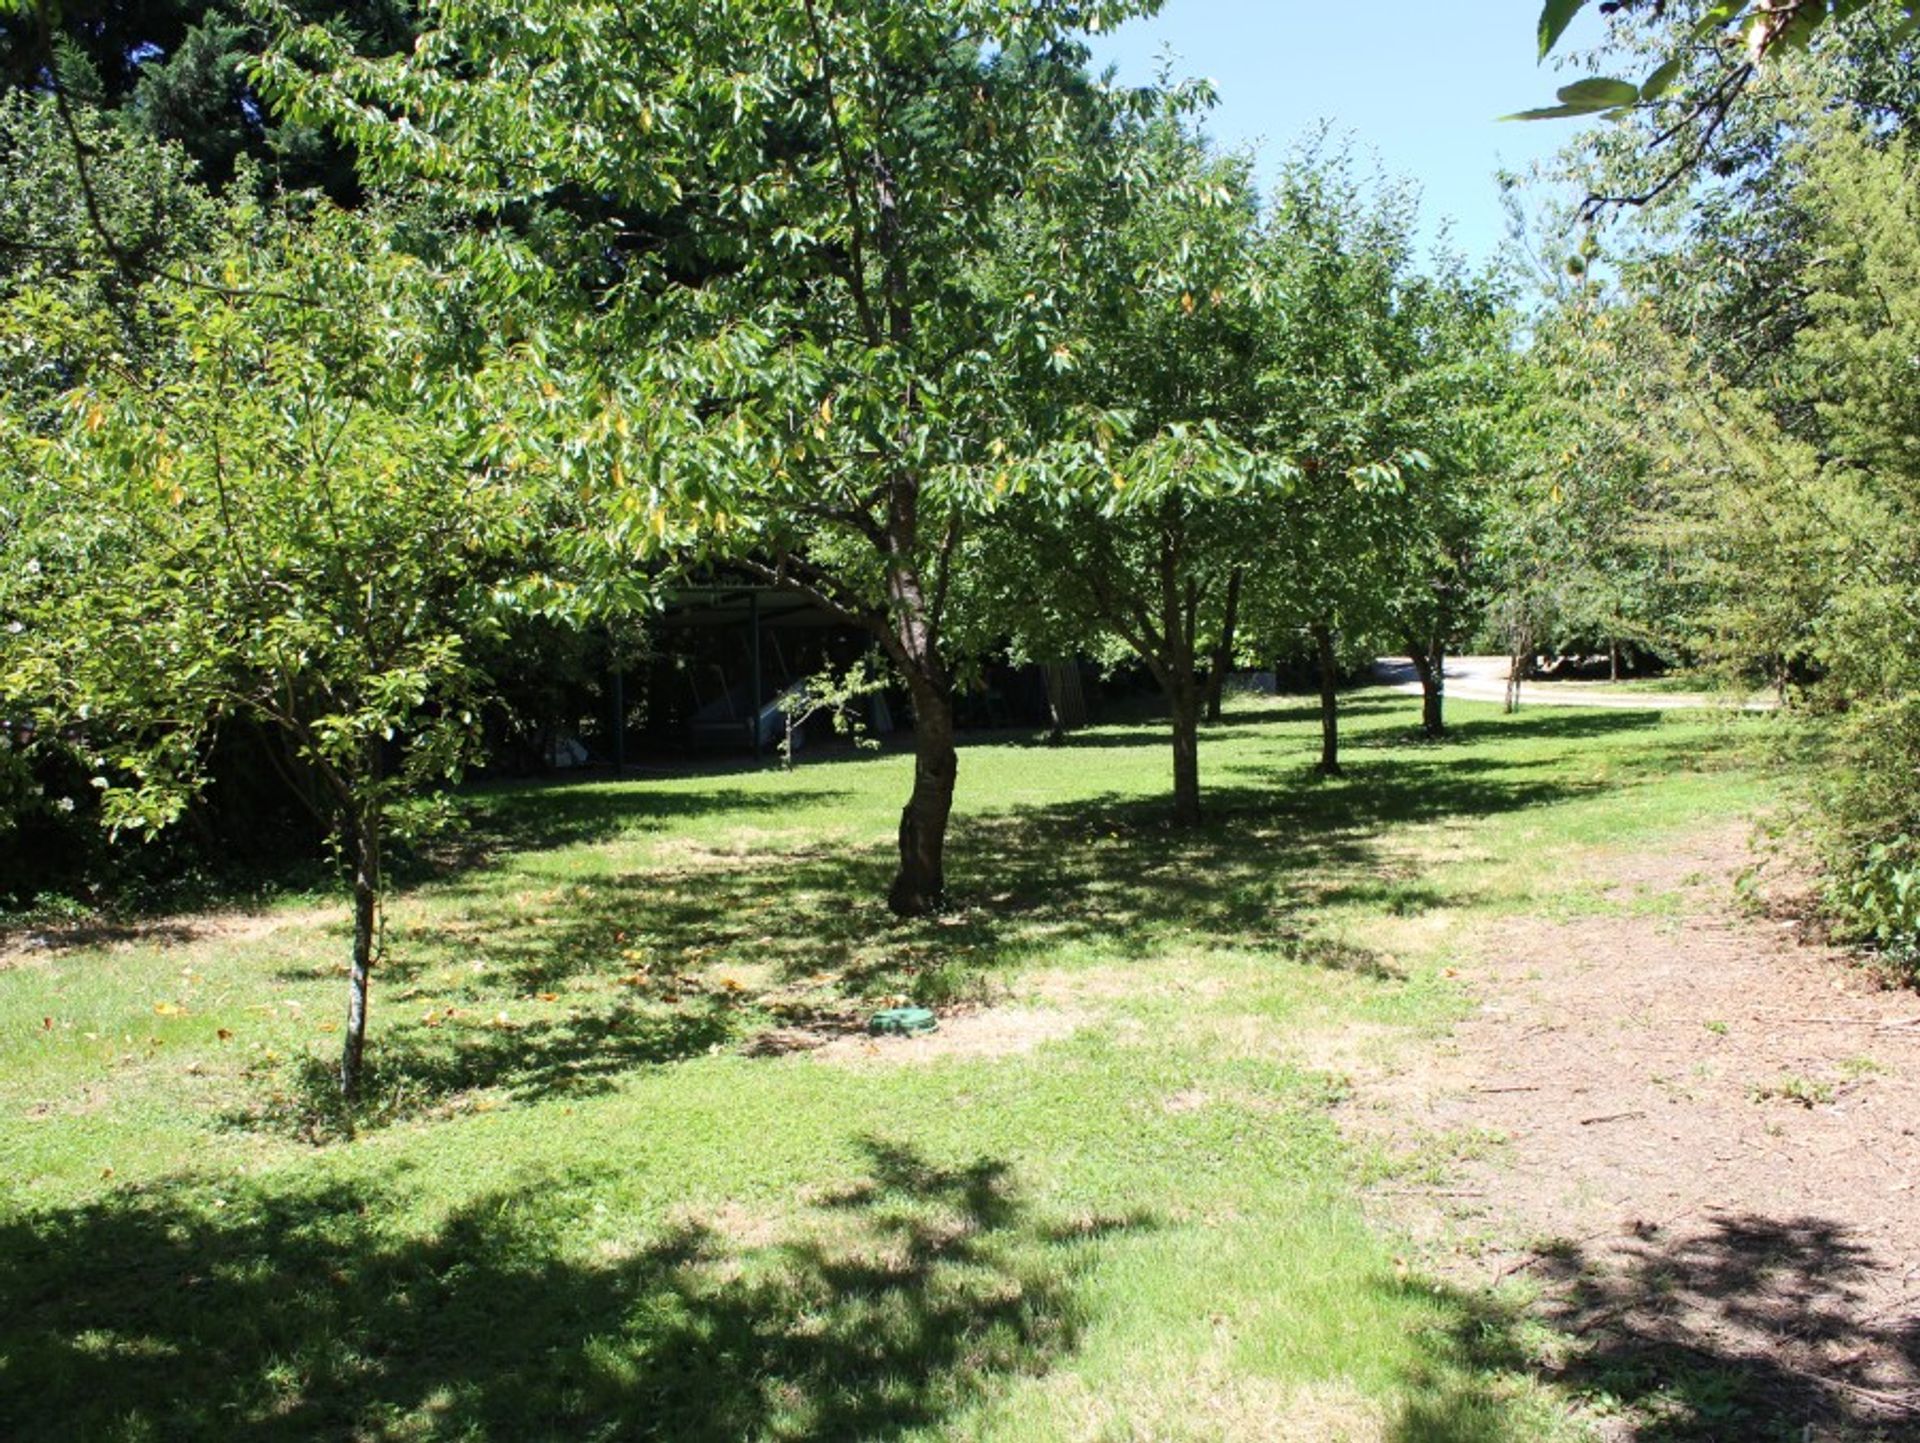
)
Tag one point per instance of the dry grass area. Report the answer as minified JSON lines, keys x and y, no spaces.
{"x":25,"y":947}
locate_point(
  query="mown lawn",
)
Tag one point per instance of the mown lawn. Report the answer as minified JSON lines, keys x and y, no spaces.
{"x":593,"y":1197}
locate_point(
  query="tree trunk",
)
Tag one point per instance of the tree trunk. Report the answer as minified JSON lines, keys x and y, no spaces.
{"x":1329,"y":699}
{"x":920,"y":885}
{"x":366,"y":913}
{"x":1429,"y":660}
{"x":1184,"y":695}
{"x":1613,"y":661}
{"x":1223,"y":653}
{"x":1176,"y":665}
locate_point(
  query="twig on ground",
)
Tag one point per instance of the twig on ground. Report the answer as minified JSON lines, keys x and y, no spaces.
{"x":1906,"y":1402}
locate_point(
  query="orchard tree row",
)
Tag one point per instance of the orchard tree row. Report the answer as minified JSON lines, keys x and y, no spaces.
{"x":894,"y":307}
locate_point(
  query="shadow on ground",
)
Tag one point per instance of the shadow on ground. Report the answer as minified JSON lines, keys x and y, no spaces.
{"x":1150,"y":726}
{"x":704,"y":948}
{"x":174,"y":1314}
{"x":539,"y":816}
{"x":1752,"y":1328}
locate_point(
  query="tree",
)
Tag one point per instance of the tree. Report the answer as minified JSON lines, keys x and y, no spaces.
{"x":1448,"y":412}
{"x":1579,"y":541}
{"x":785,"y":360}
{"x":1704,"y":54}
{"x":1132,"y":528}
{"x":1715,"y":237}
{"x":1835,"y":526}
{"x":1336,"y":261}
{"x":143,"y":193}
{"x":178,"y":72}
{"x":275,"y":513}
{"x":1763,"y":518}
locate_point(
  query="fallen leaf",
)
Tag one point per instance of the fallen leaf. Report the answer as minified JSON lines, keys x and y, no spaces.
{"x":168,"y":1009}
{"x":225,"y":1034}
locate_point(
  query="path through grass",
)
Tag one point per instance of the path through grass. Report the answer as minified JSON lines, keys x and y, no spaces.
{"x":600,"y":1195}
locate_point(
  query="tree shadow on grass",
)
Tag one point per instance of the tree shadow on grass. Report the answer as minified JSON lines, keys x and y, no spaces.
{"x":505,"y":818}
{"x":1267,"y":712}
{"x":1567,"y":724}
{"x":704,"y":951}
{"x":177,"y":1313}
{"x":571,"y":990}
{"x":1751,"y":1328}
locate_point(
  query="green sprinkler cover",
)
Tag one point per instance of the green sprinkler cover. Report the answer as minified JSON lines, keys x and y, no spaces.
{"x":905,"y":1021}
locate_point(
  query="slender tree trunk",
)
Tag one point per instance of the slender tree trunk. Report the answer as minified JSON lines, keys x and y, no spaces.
{"x":1177,"y":667}
{"x":1223,"y":653}
{"x":366,"y":916}
{"x":1613,"y":660}
{"x":1329,"y":699}
{"x":1429,"y":659}
{"x":921,"y":883}
{"x":1183,"y":693}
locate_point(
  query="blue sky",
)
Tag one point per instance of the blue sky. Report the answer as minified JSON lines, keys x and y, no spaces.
{"x":1420,"y":82}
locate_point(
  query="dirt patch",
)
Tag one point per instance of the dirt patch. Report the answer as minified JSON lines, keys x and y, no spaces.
{"x":35,"y":944}
{"x":1714,"y":1136}
{"x":987,"y":1032}
{"x":744,"y":849}
{"x":739,"y":1225}
{"x":1070,"y":987}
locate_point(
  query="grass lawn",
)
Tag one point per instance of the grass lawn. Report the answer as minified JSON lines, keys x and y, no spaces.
{"x":594,"y":1198}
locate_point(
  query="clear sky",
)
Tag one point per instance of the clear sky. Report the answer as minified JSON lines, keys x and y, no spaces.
{"x":1420,"y":82}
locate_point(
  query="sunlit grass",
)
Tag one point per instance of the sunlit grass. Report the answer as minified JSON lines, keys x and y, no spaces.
{"x":581,"y":1206}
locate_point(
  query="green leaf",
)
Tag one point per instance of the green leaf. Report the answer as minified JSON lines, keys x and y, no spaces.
{"x":1597,"y":93}
{"x":1655,"y":85}
{"x":1718,"y":17}
{"x":1555,"y":16}
{"x":1550,"y":112}
{"x":1554,"y":20}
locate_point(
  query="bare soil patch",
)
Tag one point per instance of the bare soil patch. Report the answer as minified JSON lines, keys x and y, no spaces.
{"x":986,"y":1032}
{"x":1713,"y":1147}
{"x":34,"y":944}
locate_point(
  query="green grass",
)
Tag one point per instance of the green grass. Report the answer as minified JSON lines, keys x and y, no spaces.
{"x":581,"y":1204}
